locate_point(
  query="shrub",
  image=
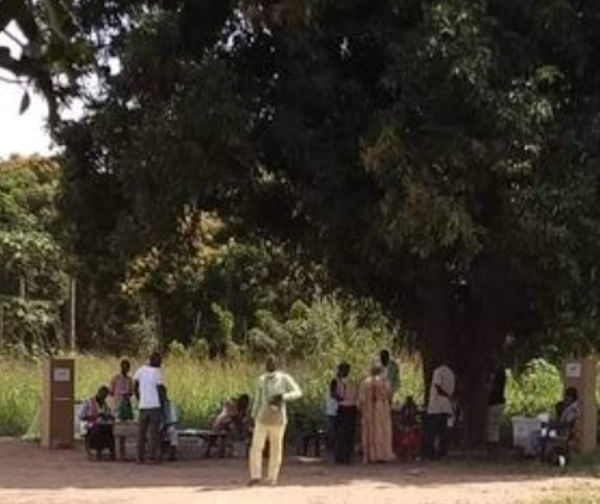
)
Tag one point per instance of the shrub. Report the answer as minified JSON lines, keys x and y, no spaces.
{"x":177,"y":350}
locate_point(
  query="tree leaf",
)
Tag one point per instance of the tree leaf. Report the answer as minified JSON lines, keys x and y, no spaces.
{"x":24,"y":16}
{"x":25,"y":102}
{"x":60,"y":19}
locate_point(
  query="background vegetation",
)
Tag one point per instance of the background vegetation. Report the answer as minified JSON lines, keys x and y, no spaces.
{"x":198,"y":386}
{"x":432,"y":166}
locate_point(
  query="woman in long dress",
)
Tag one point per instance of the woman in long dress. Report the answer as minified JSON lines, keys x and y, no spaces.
{"x":375,"y":404}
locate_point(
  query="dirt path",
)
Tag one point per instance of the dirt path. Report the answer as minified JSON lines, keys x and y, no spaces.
{"x":30,"y":475}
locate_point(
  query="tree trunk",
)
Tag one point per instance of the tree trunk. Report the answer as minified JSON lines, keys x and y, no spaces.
{"x":432,"y":342}
{"x":466,"y":337}
{"x":472,"y":397}
{"x":477,"y":360}
{"x":1,"y":323}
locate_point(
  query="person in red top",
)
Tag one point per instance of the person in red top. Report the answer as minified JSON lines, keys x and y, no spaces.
{"x":408,"y":438}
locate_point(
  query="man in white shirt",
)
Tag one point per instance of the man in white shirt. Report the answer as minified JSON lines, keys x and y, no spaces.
{"x":274,"y":389}
{"x":439,"y":410}
{"x":149,"y":391}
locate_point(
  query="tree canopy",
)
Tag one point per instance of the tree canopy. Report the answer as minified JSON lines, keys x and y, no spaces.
{"x":439,"y":157}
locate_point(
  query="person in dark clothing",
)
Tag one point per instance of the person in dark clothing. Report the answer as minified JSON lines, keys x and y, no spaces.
{"x":98,"y":424}
{"x":344,"y":393}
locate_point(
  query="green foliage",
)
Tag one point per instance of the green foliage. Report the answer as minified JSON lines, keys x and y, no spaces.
{"x":439,"y":158}
{"x":199,"y":350}
{"x":225,"y":323}
{"x":31,"y":326}
{"x":176,"y":349}
{"x":139,"y":337}
{"x":326,"y":327}
{"x":412,"y":147}
{"x":33,"y":264}
{"x":28,"y":216}
{"x":535,"y":390}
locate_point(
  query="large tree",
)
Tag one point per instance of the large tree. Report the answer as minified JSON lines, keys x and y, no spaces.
{"x":439,"y":157}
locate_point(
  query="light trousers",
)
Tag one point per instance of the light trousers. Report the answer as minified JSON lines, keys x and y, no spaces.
{"x":275,"y":435}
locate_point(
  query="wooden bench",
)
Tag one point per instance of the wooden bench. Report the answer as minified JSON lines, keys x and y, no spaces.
{"x":211,"y":439}
{"x":308,"y":434}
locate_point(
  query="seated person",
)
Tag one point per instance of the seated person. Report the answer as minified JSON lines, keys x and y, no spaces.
{"x":233,"y":420}
{"x":242,"y":421}
{"x":408,"y":438}
{"x":559,"y":434}
{"x":98,"y":424}
{"x":569,"y":412}
{"x":226,"y":417}
{"x":234,"y":417}
{"x":169,"y":423}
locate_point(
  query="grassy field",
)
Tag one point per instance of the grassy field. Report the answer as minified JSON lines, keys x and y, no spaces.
{"x":198,"y":387}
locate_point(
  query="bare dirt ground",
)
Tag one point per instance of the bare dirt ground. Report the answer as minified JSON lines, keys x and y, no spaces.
{"x":31,"y":475}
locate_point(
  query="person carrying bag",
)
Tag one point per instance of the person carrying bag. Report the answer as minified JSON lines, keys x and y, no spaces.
{"x":274,"y":389}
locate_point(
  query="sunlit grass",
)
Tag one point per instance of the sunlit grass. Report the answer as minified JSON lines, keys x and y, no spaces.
{"x":199,"y":387}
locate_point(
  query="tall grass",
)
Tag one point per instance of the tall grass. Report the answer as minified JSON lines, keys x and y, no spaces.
{"x":198,"y":387}
{"x":19,"y":396}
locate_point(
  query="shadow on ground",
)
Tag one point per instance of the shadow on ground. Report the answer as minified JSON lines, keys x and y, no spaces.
{"x":26,"y":466}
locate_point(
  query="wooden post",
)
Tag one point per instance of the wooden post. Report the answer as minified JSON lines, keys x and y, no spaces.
{"x":58,"y":387}
{"x":581,"y":374}
{"x":72,"y":315}
{"x":1,"y":322}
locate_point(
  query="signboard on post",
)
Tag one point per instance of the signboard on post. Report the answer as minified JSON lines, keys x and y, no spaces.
{"x":58,"y":403}
{"x":573,"y":369}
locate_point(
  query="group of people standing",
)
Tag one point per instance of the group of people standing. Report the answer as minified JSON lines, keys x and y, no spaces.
{"x":373,"y":402}
{"x":157,"y":414}
{"x":368,"y":405}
